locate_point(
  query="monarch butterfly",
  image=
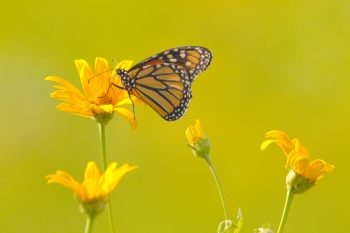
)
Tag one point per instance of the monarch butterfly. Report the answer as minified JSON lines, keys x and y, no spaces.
{"x":164,"y":80}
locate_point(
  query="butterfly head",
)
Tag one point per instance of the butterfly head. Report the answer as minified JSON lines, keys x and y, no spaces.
{"x":128,"y":82}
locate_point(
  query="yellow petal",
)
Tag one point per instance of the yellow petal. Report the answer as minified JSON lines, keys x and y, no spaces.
{"x":65,"y":180}
{"x":85,"y":74}
{"x":91,"y":180}
{"x":63,"y":82}
{"x":75,"y":109}
{"x":200,"y":133}
{"x":266,"y":143}
{"x":193,"y":132}
{"x":277,"y":134}
{"x":127,"y":115}
{"x":79,"y":64}
{"x":329,"y":167}
{"x":317,"y":168}
{"x":282,"y":140}
{"x":100,"y":83}
{"x":110,"y":169}
{"x":125,"y":65}
{"x":92,"y":171}
{"x":69,"y":97}
{"x":189,"y":135}
{"x":300,"y":165}
{"x":124,"y":101}
{"x":115,"y":177}
{"x":299,"y":147}
{"x":101,"y":66}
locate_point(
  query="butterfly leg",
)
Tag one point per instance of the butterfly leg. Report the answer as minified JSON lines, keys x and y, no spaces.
{"x":109,"y":87}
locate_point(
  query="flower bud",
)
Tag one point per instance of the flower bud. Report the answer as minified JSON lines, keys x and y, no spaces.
{"x":198,"y":141}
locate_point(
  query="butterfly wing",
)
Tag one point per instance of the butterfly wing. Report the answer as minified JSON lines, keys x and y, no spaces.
{"x":164,"y":80}
{"x":193,"y":59}
{"x":165,"y":87}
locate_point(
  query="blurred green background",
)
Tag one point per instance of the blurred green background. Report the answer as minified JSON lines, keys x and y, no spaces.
{"x":277,"y":65}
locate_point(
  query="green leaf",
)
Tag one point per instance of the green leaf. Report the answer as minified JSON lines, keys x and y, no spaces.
{"x":239,"y":221}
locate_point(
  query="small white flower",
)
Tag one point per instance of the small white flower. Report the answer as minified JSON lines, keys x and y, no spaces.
{"x":263,"y":229}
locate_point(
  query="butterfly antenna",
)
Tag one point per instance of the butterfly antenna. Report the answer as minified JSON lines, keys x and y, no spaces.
{"x":114,"y":61}
{"x":109,"y":70}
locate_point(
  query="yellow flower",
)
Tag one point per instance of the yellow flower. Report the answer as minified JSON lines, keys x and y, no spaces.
{"x":101,"y":99}
{"x":298,"y":161}
{"x":94,"y":190}
{"x":198,"y":141}
{"x":195,"y":133}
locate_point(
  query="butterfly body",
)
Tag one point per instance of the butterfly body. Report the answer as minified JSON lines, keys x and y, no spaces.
{"x":128,"y":83}
{"x":164,"y":80}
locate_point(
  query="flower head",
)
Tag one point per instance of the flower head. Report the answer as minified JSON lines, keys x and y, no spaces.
{"x":304,"y":173}
{"x":226,"y":226}
{"x":94,"y":190}
{"x":198,"y":141}
{"x":101,"y":99}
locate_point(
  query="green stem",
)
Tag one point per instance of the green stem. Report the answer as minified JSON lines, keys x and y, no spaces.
{"x":110,"y":215}
{"x":102,"y":130}
{"x":218,"y":185}
{"x":88,"y":225}
{"x":104,"y":164}
{"x":287,"y":205}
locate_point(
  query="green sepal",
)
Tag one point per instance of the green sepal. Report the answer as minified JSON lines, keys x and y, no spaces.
{"x":298,"y":183}
{"x":201,"y":148}
{"x":103,"y":118}
{"x":91,"y":209}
